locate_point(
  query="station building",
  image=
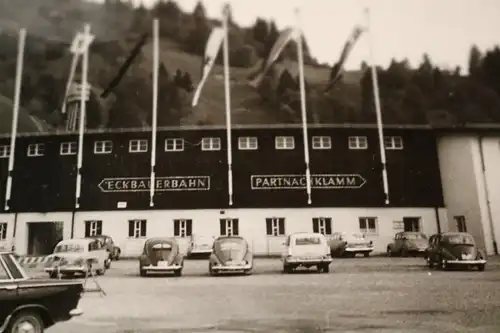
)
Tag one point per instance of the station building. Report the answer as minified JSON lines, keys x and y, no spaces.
{"x":439,"y":180}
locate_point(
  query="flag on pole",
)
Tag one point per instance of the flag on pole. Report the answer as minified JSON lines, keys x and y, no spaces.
{"x":338,"y":68}
{"x":378,"y":109}
{"x":156,"y":69}
{"x":15,"y":114}
{"x":226,"y":12}
{"x":211,"y":50}
{"x":302,"y":86}
{"x":284,"y":38}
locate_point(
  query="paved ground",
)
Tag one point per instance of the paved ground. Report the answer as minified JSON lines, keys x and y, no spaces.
{"x":358,"y":295}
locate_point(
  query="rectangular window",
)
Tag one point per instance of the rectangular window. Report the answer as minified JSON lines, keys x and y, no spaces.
{"x":93,"y":228}
{"x":358,"y":142}
{"x":393,"y":142}
{"x":284,"y":142}
{"x":103,"y":147}
{"x":4,"y":151}
{"x":322,"y":225}
{"x":36,"y":149}
{"x":137,"y":228}
{"x":411,"y":224}
{"x":210,"y":144}
{"x":248,"y":143}
{"x":3,"y":231}
{"x":229,"y":227}
{"x":183,"y":228}
{"x":275,"y":226}
{"x":461,"y":223}
{"x":321,"y":142}
{"x":138,"y":146}
{"x":176,"y":144}
{"x":368,"y":225}
{"x":68,"y":148}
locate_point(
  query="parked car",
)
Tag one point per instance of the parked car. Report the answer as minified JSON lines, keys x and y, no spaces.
{"x":306,"y":250}
{"x":454,"y":249}
{"x":231,"y":254}
{"x":349,"y":244}
{"x":200,"y":245}
{"x":33,"y":305}
{"x":113,"y":249}
{"x":408,"y":243}
{"x":78,"y":256}
{"x":161,"y":255}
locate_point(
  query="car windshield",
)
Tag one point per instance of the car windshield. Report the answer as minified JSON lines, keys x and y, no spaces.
{"x":68,"y":248}
{"x":308,"y":240}
{"x":415,"y":236}
{"x":459,"y":239}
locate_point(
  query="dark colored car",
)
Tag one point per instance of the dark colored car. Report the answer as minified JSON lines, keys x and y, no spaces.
{"x":33,"y":305}
{"x":454,"y":249}
{"x":113,"y":249}
{"x":161,"y":255}
{"x":408,"y":243}
{"x":230,"y":254}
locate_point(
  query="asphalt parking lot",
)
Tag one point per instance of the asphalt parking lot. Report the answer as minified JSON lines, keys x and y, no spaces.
{"x":358,"y":295}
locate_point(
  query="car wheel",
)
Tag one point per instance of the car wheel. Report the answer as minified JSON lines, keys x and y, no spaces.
{"x":53,"y":275}
{"x":444,"y":265}
{"x":248,"y":272}
{"x":27,"y":322}
{"x":481,"y":267}
{"x":366,"y":254}
{"x":404,"y":253}
{"x":178,"y":272}
{"x":117,"y":255}
{"x":287,"y":269}
{"x":389,"y":252}
{"x":430,"y":264}
{"x":326,"y":269}
{"x":142,"y":272}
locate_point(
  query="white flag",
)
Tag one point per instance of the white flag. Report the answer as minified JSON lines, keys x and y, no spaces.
{"x":212,"y":49}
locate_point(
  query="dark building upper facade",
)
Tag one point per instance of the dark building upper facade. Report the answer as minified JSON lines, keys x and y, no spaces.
{"x":192,"y":172}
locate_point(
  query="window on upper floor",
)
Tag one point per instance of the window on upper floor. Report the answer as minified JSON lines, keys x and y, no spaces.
{"x":248,"y":143}
{"x":393,"y":142}
{"x":358,"y":142}
{"x":103,"y":147}
{"x":174,"y":144}
{"x":36,"y":149}
{"x":284,"y":142}
{"x":138,"y":146}
{"x":68,"y":148}
{"x":4,"y":151}
{"x":210,"y":144}
{"x":321,"y":142}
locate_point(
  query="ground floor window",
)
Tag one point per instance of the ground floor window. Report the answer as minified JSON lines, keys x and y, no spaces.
{"x":3,"y":231}
{"x":411,"y":224}
{"x":368,"y":225}
{"x":137,"y":228}
{"x":183,"y":228}
{"x":229,"y":227}
{"x":461,"y":223}
{"x":322,"y":225}
{"x":275,"y":226}
{"x":93,"y":228}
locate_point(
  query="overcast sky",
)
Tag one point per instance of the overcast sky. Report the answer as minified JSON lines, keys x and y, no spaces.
{"x":401,"y":28}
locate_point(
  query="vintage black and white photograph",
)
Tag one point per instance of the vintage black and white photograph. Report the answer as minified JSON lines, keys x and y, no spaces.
{"x":237,"y":166}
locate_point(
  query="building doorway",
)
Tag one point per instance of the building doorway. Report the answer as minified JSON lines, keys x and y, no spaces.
{"x":43,"y":237}
{"x":411,"y":224}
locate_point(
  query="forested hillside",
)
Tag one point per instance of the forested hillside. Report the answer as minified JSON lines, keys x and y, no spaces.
{"x":422,"y":95}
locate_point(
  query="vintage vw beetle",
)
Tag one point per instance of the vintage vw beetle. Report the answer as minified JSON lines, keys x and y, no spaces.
{"x":161,"y":255}
{"x":454,"y":249}
{"x":33,"y":305}
{"x":231,"y":254}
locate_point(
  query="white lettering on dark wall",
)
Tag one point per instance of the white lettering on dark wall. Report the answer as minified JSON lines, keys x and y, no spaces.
{"x":143,"y":184}
{"x":326,"y":181}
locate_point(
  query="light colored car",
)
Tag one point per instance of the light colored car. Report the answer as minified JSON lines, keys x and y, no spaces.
{"x":78,"y":256}
{"x":231,"y":254}
{"x":200,"y":245}
{"x":349,"y":244}
{"x":408,"y":243}
{"x":306,"y":250}
{"x":161,"y":255}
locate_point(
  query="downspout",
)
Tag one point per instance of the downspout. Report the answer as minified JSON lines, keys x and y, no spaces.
{"x":438,"y":221}
{"x":487,"y":194}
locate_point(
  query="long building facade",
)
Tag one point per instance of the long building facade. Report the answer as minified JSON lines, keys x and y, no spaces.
{"x":269,"y":199}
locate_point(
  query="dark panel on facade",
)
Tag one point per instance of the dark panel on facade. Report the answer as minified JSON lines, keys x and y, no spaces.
{"x":4,"y":168}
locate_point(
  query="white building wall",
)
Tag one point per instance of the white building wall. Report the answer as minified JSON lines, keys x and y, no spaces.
{"x":252,"y":224}
{"x":466,"y":188}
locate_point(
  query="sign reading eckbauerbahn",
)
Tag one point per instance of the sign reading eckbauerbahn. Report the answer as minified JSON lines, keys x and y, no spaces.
{"x":291,"y":182}
{"x":162,"y":184}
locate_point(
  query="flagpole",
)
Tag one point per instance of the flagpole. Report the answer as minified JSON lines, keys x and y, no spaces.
{"x":303,"y":106}
{"x":83,"y":106}
{"x":376,"y":95}
{"x":156,"y":67}
{"x":74,"y":63}
{"x":228,"y":104}
{"x":15,"y":114}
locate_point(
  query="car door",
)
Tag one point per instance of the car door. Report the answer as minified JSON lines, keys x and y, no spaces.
{"x":286,"y":246}
{"x":8,"y":292}
{"x":431,"y":250}
{"x":397,"y":243}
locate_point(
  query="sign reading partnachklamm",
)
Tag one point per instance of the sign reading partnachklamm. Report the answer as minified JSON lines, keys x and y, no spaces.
{"x":162,"y":184}
{"x":292,"y":182}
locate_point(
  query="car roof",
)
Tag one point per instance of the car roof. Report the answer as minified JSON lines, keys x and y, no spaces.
{"x":455,"y":233}
{"x":160,"y":239}
{"x":311,"y":234}
{"x":227,"y":237}
{"x":76,"y":241}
